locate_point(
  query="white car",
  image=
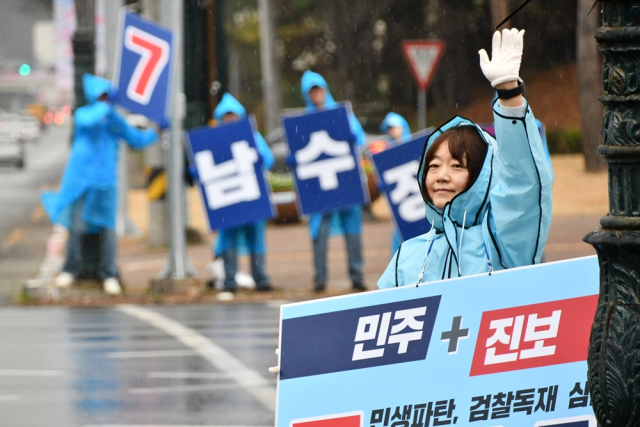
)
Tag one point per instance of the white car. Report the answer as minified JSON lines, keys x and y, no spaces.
{"x":11,"y":143}
{"x":11,"y":149}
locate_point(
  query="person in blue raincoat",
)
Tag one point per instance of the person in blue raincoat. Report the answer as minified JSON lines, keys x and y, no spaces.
{"x":316,"y":95}
{"x":488,"y":200}
{"x":230,"y":110}
{"x":398,"y":131}
{"x":86,"y":200}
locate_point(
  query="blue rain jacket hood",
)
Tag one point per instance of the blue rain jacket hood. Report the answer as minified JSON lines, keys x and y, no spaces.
{"x":502,"y":221}
{"x":310,"y":80}
{"x":395,"y":119}
{"x":228,"y":104}
{"x":350,"y":222}
{"x":94,"y":87}
{"x":91,"y":170}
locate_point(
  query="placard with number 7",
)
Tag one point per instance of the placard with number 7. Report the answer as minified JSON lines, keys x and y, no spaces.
{"x":143,"y":67}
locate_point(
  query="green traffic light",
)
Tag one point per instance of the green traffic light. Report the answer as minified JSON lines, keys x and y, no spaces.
{"x":25,"y":70}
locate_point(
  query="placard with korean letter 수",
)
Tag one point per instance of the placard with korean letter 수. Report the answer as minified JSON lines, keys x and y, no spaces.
{"x":144,"y":66}
{"x":397,"y":170}
{"x":328,"y":170}
{"x":232,"y":183}
{"x":503,"y":350}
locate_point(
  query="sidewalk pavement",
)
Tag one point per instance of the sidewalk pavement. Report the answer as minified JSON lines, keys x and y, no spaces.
{"x":289,"y":261}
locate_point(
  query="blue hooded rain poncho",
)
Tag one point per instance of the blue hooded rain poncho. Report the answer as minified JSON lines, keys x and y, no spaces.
{"x":501,"y":221}
{"x":91,"y":171}
{"x":350,"y":222}
{"x":254,"y":239}
{"x":395,"y":120}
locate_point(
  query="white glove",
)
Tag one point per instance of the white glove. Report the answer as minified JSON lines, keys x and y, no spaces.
{"x":506,"y":54}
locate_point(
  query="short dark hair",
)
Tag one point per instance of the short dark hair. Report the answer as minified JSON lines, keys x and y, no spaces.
{"x":466,"y":146}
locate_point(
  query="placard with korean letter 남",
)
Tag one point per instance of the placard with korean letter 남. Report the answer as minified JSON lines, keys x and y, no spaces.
{"x":507,"y":349}
{"x":396,"y":171}
{"x":328,"y":170}
{"x":232,"y":183}
{"x":144,"y":66}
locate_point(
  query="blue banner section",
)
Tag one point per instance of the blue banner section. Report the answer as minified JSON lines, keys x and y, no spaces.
{"x":507,"y":349}
{"x":144,"y":65}
{"x":359,"y":338}
{"x":328,"y":170}
{"x":397,"y":170}
{"x":230,"y":175}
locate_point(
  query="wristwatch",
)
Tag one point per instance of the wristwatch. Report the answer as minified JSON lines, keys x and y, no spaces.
{"x":511,"y":93}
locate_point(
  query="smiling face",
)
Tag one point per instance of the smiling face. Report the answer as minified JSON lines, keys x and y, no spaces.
{"x":446,"y":176}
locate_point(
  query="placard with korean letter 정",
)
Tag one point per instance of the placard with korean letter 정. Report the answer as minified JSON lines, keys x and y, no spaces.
{"x":397,"y":170}
{"x":504,"y":350}
{"x":143,"y":68}
{"x":232,"y":183}
{"x":328,"y":171}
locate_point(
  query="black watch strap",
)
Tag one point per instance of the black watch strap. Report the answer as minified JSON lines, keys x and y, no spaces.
{"x":511,"y":93}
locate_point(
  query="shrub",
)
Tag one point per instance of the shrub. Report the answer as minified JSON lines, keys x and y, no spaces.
{"x":564,"y":141}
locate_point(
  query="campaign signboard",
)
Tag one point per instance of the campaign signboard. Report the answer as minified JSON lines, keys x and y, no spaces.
{"x":328,"y":166}
{"x":397,"y":170}
{"x":143,"y":67}
{"x":507,"y":349}
{"x":232,"y":183}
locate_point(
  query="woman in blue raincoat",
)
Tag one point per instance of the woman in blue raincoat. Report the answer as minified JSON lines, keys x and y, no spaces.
{"x":230,"y":110}
{"x":86,"y":200}
{"x":398,"y":131}
{"x":488,"y":200}
{"x":317,"y":96}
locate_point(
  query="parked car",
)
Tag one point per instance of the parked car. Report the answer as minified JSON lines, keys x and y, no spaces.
{"x":11,"y":144}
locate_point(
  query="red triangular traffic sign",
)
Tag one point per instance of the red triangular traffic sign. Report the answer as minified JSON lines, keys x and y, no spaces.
{"x":423,"y":57}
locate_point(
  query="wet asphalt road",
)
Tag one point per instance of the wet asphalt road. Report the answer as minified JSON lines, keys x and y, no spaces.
{"x":138,"y":366}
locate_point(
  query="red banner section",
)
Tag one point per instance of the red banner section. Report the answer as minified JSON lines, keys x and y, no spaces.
{"x":336,"y":420}
{"x":534,"y":335}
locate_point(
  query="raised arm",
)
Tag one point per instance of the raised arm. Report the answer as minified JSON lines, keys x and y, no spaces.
{"x":135,"y":137}
{"x":91,"y":115}
{"x":517,"y":224}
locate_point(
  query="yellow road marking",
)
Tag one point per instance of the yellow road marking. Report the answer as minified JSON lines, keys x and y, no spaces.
{"x":37,"y":214}
{"x":13,"y":238}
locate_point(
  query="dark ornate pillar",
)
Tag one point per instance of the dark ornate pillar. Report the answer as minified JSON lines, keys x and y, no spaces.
{"x":614,"y":349}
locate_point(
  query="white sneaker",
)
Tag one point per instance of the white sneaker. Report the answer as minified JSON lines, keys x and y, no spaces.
{"x":112,"y":286}
{"x":64,"y":280}
{"x":244,"y":280}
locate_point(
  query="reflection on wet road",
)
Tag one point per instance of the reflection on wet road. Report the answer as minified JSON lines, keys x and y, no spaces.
{"x":138,"y":366}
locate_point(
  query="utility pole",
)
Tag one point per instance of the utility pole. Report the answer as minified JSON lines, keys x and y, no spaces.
{"x":270,"y":74}
{"x":84,"y":52}
{"x":614,"y":357}
{"x":154,"y":161}
{"x":178,"y":263}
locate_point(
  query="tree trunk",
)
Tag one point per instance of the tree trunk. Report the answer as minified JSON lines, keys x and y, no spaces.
{"x":589,"y":65}
{"x":499,"y":11}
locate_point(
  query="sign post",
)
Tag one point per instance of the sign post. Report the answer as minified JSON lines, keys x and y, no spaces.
{"x":423,"y":57}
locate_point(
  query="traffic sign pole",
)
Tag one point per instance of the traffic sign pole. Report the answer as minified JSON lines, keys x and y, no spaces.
{"x":422,"y":109}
